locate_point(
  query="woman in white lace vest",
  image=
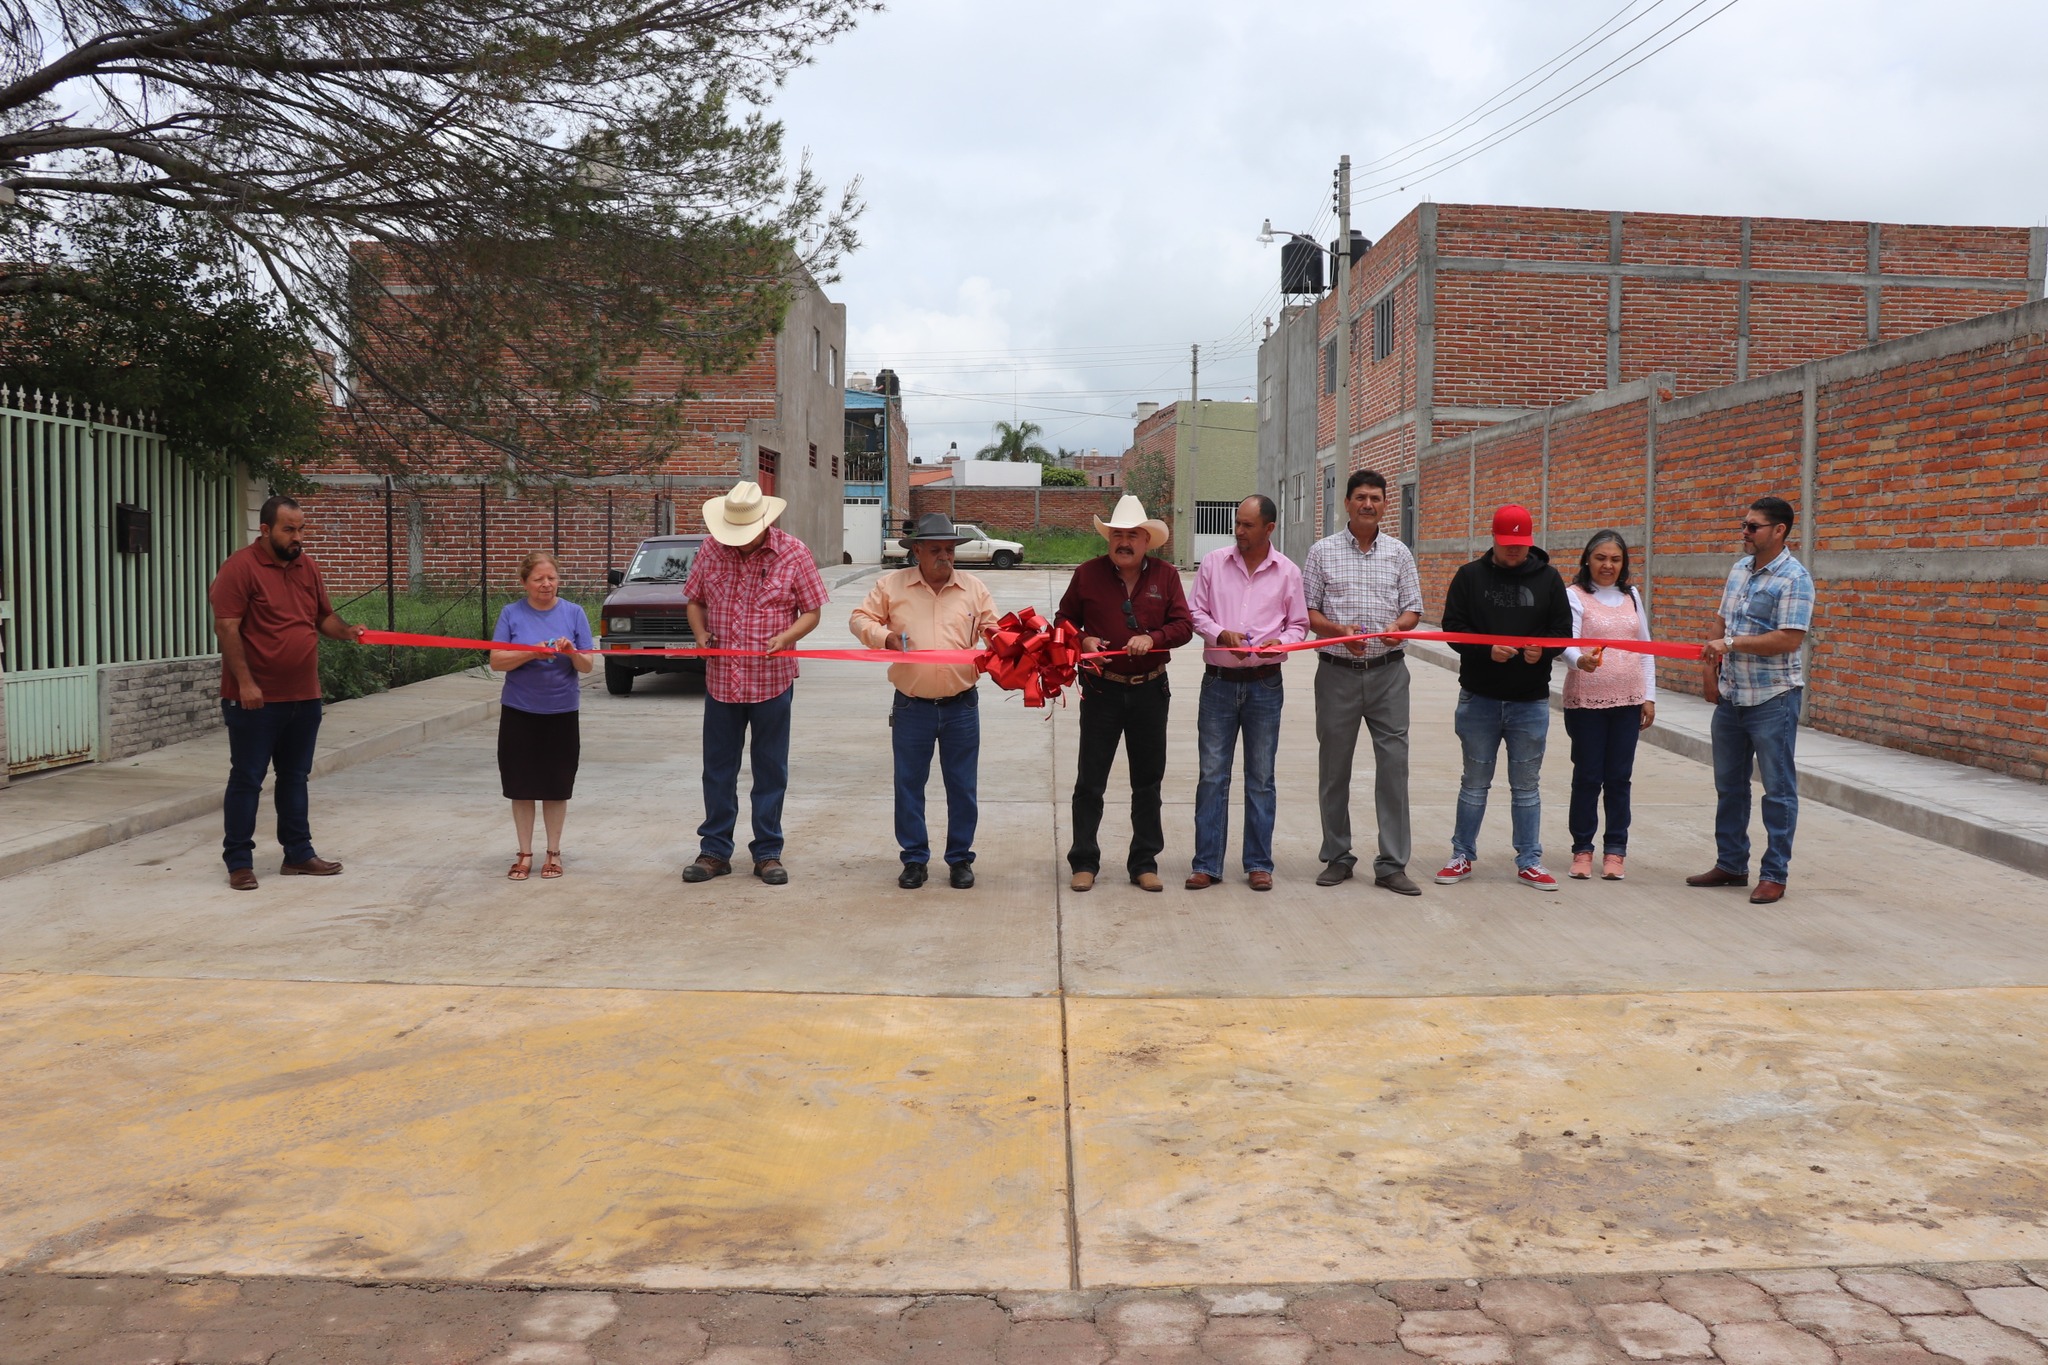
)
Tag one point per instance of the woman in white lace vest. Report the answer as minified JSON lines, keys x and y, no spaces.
{"x":1610,"y":697}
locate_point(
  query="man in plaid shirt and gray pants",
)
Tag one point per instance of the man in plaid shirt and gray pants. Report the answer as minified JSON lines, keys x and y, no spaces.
{"x":1359,"y":580}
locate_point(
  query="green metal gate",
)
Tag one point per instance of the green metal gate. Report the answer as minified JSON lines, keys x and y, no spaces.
{"x":74,"y":598}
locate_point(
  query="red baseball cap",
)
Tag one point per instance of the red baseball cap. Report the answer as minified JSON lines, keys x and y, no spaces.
{"x":1512,"y":525}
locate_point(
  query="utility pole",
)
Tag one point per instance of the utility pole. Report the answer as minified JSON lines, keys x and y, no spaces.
{"x":1343,"y":264}
{"x":1187,"y":545}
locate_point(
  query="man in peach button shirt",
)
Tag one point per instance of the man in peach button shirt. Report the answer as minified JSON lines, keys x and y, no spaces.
{"x":929,"y":606}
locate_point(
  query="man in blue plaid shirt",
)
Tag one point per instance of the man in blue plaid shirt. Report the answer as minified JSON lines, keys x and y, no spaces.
{"x":1755,"y":680}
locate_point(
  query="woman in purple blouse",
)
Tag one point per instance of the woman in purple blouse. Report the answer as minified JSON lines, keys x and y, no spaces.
{"x":539,"y":744}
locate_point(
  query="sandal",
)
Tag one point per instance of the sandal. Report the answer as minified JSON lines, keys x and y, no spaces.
{"x":552,"y":868}
{"x":522,"y":867}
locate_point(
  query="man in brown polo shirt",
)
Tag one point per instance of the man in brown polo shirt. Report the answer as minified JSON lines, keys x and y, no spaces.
{"x":270,"y":609}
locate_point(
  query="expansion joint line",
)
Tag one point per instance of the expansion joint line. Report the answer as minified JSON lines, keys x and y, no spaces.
{"x":1059,"y":944}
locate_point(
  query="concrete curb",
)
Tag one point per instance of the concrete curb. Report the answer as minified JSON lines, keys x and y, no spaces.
{"x":1899,"y":790}
{"x":85,"y":836}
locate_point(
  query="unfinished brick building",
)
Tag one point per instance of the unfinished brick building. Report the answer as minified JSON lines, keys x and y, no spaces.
{"x":1468,"y":315}
{"x":778,"y":419}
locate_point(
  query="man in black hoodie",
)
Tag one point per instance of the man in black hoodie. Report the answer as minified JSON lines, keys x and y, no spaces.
{"x":1504,"y":692}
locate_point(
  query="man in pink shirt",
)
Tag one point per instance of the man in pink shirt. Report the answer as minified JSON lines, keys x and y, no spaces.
{"x":1245,"y":597}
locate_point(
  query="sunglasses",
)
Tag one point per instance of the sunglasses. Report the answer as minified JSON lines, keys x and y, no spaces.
{"x":1756,"y":525}
{"x":1130,"y":615}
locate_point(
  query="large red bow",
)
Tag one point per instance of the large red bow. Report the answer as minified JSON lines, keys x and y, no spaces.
{"x":1027,"y":655}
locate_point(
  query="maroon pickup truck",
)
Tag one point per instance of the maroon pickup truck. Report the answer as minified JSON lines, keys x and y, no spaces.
{"x":645,"y":611}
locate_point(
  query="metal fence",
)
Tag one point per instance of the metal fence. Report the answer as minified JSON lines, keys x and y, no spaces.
{"x":107,"y":544}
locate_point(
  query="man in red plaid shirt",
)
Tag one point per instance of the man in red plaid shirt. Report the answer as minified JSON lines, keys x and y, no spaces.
{"x":751,"y":587}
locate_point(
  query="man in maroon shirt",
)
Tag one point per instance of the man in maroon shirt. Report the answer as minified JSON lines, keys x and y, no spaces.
{"x":1124,"y":600}
{"x":270,"y":609}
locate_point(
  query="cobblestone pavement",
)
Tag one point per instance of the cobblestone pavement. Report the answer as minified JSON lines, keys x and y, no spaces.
{"x":1955,"y":1314}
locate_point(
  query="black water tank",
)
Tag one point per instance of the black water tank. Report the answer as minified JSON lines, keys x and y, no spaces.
{"x":1360,"y":244}
{"x":1301,"y":267}
{"x":887,"y":384}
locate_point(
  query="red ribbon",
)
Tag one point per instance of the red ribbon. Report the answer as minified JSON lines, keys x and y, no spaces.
{"x":954,"y":657}
{"x":1027,"y":654}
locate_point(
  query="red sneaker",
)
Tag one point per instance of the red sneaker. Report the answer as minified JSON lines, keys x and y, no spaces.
{"x":1536,"y":877}
{"x":1454,"y":871}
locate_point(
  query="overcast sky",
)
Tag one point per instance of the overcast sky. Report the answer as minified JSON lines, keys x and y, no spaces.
{"x":1063,"y":195}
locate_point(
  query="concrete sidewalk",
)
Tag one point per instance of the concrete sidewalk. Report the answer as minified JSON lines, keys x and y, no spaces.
{"x":1985,"y":813}
{"x":47,"y":818}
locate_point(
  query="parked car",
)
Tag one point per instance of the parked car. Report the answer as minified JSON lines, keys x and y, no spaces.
{"x":646,"y":611}
{"x":975,"y":547}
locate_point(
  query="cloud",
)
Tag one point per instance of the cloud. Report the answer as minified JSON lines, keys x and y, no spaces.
{"x":1078,"y":185}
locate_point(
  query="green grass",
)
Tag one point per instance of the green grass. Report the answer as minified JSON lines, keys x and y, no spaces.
{"x":1049,"y":546}
{"x":348,"y":670}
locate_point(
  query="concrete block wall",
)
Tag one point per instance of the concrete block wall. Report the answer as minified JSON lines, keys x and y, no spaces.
{"x":146,"y":706}
{"x":1917,"y":470}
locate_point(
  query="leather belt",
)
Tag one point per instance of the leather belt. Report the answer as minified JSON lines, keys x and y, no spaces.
{"x":1127,"y":679}
{"x":1361,"y":665}
{"x":1251,"y":674}
{"x":966,"y":694}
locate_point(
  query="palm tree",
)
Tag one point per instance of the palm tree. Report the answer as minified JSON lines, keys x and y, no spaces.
{"x":1017,"y":443}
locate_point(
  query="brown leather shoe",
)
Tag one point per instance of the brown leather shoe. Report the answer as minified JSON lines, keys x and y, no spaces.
{"x":705,"y":868}
{"x":1767,"y":893}
{"x":242,"y":878}
{"x":312,"y":867}
{"x":1200,"y":881}
{"x":771,"y":871}
{"x":1147,"y":881}
{"x":1260,"y":881}
{"x":1083,"y":881}
{"x":1718,"y":877}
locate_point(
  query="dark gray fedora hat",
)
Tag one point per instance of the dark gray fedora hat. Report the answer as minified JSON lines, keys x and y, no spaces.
{"x":934,"y":526}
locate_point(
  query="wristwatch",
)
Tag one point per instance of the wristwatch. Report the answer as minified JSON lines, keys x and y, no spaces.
{"x":1728,"y":643}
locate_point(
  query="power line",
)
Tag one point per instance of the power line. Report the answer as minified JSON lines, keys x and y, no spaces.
{"x":1551,"y":106}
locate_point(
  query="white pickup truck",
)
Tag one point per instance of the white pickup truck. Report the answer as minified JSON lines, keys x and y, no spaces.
{"x":975,"y":547}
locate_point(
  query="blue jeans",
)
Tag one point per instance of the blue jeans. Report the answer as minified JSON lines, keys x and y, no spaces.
{"x":725,"y":732}
{"x":278,"y":734}
{"x":1603,"y":761}
{"x":915,"y":726}
{"x":1482,"y":723}
{"x":1229,"y":707}
{"x":1763,"y":734}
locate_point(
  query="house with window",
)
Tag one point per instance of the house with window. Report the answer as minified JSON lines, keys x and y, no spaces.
{"x":1209,"y":451}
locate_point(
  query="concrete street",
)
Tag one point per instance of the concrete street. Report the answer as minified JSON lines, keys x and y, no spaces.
{"x":421,"y":1072}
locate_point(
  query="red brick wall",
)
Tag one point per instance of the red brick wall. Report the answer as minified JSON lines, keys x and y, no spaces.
{"x":1519,"y":340}
{"x":345,"y":533}
{"x":1933,"y":445}
{"x":1013,"y":509}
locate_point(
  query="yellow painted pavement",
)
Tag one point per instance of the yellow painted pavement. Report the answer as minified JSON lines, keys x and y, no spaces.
{"x":1365,"y":1139}
{"x":651,"y":1138}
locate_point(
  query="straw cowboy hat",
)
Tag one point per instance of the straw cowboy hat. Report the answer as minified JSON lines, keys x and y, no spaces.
{"x":1130,"y":515}
{"x":739,"y":516}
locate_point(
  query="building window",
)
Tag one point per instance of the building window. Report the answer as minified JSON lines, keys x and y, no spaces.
{"x":766,"y":463}
{"x":814,"y":454}
{"x":1383,"y":328}
{"x":835,"y":466}
{"x":1215,"y":518}
{"x":832,"y":366}
{"x":1411,"y":514}
{"x":817,"y":349}
{"x":1266,"y":399}
{"x":1330,"y":366}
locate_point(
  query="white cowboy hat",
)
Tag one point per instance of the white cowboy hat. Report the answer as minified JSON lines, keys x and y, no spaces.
{"x":1130,"y":515}
{"x":739,"y":516}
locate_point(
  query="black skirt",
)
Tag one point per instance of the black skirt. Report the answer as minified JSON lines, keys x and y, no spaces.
{"x":538,"y":754}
